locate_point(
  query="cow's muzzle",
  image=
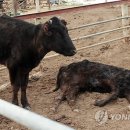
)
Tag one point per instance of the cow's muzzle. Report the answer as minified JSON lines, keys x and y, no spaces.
{"x":71,"y":53}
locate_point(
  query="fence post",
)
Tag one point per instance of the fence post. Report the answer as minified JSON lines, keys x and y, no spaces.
{"x":59,"y":2}
{"x":37,"y":9}
{"x":14,"y":4}
{"x":49,"y":4}
{"x":37,"y":6}
{"x":125,"y":22}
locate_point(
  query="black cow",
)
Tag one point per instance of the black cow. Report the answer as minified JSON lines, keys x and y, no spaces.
{"x":93,"y":77}
{"x":23,"y":45}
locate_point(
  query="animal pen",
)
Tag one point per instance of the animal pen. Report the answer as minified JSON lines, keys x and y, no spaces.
{"x":7,"y":109}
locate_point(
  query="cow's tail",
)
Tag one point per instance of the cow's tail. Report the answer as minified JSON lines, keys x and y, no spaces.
{"x":59,"y":80}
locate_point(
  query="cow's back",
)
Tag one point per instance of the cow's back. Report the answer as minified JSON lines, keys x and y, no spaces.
{"x":13,"y":28}
{"x":98,"y":72}
{"x":94,"y":71}
{"x":14,"y":34}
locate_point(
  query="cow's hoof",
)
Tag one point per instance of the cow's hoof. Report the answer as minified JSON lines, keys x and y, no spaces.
{"x":99,"y":103}
{"x":27,"y":107}
{"x":15,"y":103}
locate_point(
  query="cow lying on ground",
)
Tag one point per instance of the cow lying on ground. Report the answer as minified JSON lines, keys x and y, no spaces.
{"x":23,"y":45}
{"x":93,"y":77}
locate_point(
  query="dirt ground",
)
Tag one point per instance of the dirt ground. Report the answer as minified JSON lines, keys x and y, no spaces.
{"x":117,"y":54}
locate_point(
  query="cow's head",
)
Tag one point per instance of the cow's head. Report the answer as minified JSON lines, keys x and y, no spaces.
{"x":58,"y":37}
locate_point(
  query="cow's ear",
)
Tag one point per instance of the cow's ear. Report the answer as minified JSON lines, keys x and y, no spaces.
{"x":64,"y":22}
{"x":46,"y":29}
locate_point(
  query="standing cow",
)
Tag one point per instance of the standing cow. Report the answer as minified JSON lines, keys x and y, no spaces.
{"x":23,"y":45}
{"x":93,"y":77}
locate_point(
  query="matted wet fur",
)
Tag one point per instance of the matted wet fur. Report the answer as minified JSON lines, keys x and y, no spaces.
{"x":92,"y":77}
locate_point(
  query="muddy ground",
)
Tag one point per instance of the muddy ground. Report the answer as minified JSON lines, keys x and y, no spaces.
{"x":117,"y":54}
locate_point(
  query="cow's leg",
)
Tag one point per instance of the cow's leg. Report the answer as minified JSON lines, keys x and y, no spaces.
{"x":15,"y":95}
{"x":13,"y":74}
{"x":19,"y":79}
{"x":103,"y":102}
{"x":113,"y":96}
{"x":71,"y":95}
{"x":59,"y":100}
{"x":24,"y":100}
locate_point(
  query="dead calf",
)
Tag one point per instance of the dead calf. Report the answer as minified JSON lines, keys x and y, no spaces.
{"x":93,"y":77}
